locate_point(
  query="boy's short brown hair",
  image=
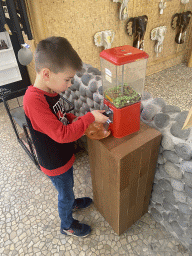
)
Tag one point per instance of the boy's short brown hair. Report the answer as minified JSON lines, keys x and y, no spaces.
{"x":56,"y":53}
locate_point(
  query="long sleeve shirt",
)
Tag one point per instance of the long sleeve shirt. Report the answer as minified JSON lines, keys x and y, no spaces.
{"x":52,"y":130}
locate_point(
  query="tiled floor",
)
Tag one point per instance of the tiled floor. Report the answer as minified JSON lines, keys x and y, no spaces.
{"x":29,"y":223}
{"x":174,"y":85}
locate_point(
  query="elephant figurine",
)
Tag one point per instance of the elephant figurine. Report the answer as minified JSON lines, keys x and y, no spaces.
{"x":158,"y":34}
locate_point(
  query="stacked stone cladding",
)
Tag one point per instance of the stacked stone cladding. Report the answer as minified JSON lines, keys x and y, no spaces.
{"x":171,"y":198}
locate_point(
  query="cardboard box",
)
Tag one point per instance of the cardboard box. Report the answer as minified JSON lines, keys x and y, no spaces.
{"x":122,"y":172}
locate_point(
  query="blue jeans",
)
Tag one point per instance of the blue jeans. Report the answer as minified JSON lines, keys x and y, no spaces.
{"x":64,"y":185}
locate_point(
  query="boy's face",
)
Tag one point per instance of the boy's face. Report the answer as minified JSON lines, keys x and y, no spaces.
{"x":61,"y":81}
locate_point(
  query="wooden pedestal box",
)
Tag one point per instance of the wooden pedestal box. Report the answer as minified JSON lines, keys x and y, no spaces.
{"x":122,"y":172}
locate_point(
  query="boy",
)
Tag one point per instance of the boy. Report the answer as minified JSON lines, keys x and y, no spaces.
{"x":52,"y":130}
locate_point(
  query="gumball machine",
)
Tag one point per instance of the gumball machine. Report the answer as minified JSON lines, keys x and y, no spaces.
{"x":123,"y":72}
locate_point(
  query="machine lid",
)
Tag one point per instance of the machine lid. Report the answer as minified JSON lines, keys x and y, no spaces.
{"x":123,"y":54}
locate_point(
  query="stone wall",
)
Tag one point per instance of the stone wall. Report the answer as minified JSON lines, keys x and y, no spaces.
{"x":86,"y":90}
{"x":171,"y":199}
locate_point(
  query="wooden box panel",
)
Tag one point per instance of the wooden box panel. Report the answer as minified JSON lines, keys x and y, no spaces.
{"x":122,"y":172}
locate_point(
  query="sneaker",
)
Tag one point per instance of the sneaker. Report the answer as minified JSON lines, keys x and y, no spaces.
{"x":77,"y":229}
{"x":82,"y":203}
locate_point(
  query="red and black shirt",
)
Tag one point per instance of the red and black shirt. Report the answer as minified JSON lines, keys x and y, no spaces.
{"x":52,"y":130}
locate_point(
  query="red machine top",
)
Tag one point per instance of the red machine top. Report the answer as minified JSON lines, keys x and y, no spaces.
{"x":123,"y":54}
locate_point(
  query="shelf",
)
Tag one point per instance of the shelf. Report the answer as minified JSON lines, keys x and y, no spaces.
{"x":8,"y":66}
{"x":11,"y":80}
{"x":10,"y":75}
{"x":5,"y":36}
{"x":6,"y":50}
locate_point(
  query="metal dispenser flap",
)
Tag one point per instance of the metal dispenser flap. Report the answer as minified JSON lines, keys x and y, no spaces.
{"x":108,"y":113}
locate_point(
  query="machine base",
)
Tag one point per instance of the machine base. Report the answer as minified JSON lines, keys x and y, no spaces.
{"x":125,"y":120}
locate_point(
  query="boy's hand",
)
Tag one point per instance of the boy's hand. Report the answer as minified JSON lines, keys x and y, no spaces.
{"x":99,"y":118}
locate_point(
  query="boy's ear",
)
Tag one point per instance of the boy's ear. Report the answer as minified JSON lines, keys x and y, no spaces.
{"x":46,"y":74}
